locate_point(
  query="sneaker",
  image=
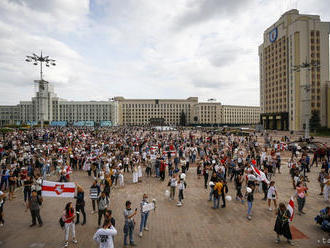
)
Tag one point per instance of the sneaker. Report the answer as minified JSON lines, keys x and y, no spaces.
{"x":303,"y":212}
{"x":140,"y":234}
{"x":32,"y":225}
{"x":249,"y":217}
{"x":75,"y":241}
{"x":290,"y":242}
{"x":277,"y":240}
{"x":270,"y":209}
{"x":146,"y":229}
{"x":66,"y":244}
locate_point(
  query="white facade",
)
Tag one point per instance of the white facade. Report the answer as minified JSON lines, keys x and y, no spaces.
{"x":168,"y":111}
{"x":48,"y":107}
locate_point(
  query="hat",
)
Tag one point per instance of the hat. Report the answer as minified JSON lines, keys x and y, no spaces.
{"x":248,"y":189}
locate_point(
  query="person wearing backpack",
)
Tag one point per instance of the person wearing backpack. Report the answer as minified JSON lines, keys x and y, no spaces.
{"x":68,"y":218}
{"x":33,"y":204}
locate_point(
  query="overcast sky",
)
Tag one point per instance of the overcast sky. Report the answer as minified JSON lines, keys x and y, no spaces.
{"x":140,"y":48}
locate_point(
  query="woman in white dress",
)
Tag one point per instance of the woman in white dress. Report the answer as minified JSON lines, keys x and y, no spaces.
{"x":121,"y":178}
{"x":135,"y":174}
{"x":140,"y":172}
{"x":272,"y":195}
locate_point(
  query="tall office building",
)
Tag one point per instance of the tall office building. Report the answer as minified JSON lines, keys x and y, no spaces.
{"x":287,"y":96}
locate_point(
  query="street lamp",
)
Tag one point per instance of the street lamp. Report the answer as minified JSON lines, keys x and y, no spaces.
{"x":35,"y":59}
{"x":40,"y":59}
{"x":307,"y":88}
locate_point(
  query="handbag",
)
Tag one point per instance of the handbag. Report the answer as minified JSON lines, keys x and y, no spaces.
{"x":61,"y":221}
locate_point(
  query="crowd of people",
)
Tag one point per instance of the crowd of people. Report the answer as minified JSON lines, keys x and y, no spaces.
{"x":107,"y":155}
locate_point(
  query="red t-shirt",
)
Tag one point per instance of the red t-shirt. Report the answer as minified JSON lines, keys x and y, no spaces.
{"x":68,"y":218}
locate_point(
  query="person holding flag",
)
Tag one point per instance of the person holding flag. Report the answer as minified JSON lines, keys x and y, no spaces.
{"x":284,"y":216}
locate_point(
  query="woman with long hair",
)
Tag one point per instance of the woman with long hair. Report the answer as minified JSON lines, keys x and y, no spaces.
{"x":68,"y":218}
{"x":282,"y":224}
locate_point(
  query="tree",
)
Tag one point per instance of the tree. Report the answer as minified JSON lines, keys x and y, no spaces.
{"x":183,"y":119}
{"x":195,"y":119}
{"x":315,"y":121}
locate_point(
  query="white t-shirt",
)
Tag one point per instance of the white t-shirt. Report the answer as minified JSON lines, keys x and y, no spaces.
{"x":104,"y":237}
{"x":271,"y":193}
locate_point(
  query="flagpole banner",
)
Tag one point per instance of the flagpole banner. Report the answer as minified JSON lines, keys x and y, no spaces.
{"x":291,"y":208}
{"x":57,"y":189}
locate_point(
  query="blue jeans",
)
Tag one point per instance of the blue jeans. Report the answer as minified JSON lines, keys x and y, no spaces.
{"x":157,"y":172}
{"x":249,"y":207}
{"x":211,"y":194}
{"x":128,"y":231}
{"x":144,"y":219}
{"x":216,"y":202}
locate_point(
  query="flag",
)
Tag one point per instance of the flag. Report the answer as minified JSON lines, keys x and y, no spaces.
{"x":56,"y":189}
{"x":291,"y":208}
{"x":260,"y":174}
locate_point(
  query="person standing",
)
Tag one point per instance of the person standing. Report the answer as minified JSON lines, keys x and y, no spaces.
{"x":33,"y":204}
{"x":326,"y":187}
{"x":135,"y":173}
{"x":321,"y":178}
{"x":271,"y":195}
{"x":181,"y":187}
{"x":103,"y":205}
{"x":249,"y":199}
{"x":68,"y":218}
{"x":80,"y":204}
{"x":27,"y":188}
{"x":12,"y":182}
{"x":104,"y":236}
{"x":301,"y":197}
{"x":108,"y":216}
{"x":224,"y":191}
{"x":217,"y":192}
{"x":144,"y":215}
{"x":129,"y":223}
{"x":282,"y":224}
{"x":2,"y":202}
{"x":94,"y":193}
{"x":205,"y":174}
{"x":173,"y":184}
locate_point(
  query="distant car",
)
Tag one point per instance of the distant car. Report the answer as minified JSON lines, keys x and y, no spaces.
{"x":304,"y":146}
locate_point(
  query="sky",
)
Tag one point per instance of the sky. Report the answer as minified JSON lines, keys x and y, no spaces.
{"x":140,"y":48}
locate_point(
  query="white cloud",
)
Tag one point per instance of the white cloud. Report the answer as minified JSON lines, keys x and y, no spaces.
{"x":146,"y":48}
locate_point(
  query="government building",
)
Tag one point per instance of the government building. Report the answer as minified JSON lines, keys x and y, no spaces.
{"x":46,"y":106}
{"x":294,"y":72}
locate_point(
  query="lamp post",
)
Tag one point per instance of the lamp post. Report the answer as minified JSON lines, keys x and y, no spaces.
{"x":307,"y":88}
{"x":36,"y":60}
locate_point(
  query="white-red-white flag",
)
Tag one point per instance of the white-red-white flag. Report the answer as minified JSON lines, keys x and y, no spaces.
{"x":291,"y":208}
{"x":56,"y":189}
{"x":260,"y":174}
